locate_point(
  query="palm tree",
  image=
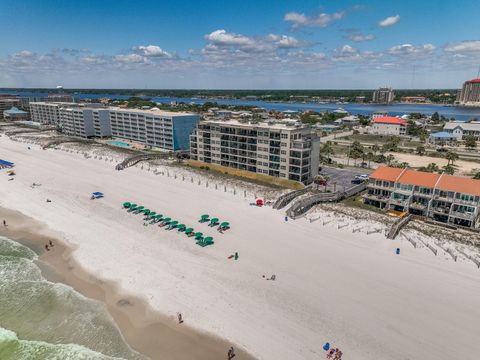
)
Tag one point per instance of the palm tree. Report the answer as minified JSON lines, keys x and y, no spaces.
{"x":326,"y":150}
{"x":451,"y":157}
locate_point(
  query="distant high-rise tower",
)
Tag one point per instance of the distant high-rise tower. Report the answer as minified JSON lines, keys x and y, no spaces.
{"x":470,"y":93}
{"x":383,"y":95}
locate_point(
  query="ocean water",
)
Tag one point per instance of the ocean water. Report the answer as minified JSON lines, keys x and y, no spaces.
{"x":42,"y":320}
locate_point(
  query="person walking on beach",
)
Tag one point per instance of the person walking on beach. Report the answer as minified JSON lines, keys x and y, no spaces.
{"x":4,"y":223}
{"x":180,"y":318}
{"x":231,"y":353}
{"x":47,"y":247}
{"x":50,"y":242}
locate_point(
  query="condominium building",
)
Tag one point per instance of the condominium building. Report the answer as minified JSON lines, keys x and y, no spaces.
{"x":47,"y":113}
{"x":84,"y":122}
{"x":280,"y":148}
{"x":470,"y":93}
{"x":443,"y":198}
{"x":154,"y":127}
{"x":388,"y":125}
{"x":383,"y":95}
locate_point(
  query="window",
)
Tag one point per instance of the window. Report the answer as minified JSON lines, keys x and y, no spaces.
{"x":284,"y":136}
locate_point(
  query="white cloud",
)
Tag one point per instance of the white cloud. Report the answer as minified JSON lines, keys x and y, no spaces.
{"x":221,"y":37}
{"x":321,"y":20}
{"x":389,"y":21}
{"x":412,"y":50}
{"x":129,"y":58}
{"x":467,"y":46}
{"x":360,"y":37}
{"x":151,"y":51}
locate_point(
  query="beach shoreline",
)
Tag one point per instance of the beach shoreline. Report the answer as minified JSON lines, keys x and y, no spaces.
{"x":147,"y":331}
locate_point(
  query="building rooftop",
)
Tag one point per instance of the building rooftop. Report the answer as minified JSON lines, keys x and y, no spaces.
{"x":474,"y":81}
{"x":15,"y":110}
{"x":284,"y":124}
{"x":430,"y":180}
{"x":390,"y":120}
{"x":419,"y":178}
{"x":386,"y":173}
{"x":442,"y":134}
{"x":152,"y":111}
{"x":464,"y":125}
{"x":459,"y":184}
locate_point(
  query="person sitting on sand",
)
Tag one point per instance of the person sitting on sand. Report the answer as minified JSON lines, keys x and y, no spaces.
{"x":50,"y":242}
{"x":46,"y":247}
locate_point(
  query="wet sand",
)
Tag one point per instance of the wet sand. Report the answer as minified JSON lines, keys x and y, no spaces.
{"x":148,"y":332}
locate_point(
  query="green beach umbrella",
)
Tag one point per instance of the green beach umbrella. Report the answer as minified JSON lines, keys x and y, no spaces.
{"x":198,"y":235}
{"x":205,"y":216}
{"x":140,"y":207}
{"x":167,"y":219}
{"x":188,"y":231}
{"x":146,"y":211}
{"x":173,"y":223}
{"x":133,"y":206}
{"x":181,"y":227}
{"x":225,"y":224}
{"x":152,"y":213}
{"x":214,"y":220}
{"x":208,"y":239}
{"x":126,"y":205}
{"x":159,"y":216}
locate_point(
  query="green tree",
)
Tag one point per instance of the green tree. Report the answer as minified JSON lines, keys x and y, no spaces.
{"x":449,"y":169}
{"x":326,"y":151}
{"x":420,"y":150}
{"x":451,"y":157}
{"x":476,"y":176}
{"x":389,"y":159}
{"x":435,"y":117}
{"x":470,"y":142}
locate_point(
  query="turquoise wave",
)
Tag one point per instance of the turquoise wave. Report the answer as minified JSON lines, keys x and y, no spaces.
{"x":44,"y":320}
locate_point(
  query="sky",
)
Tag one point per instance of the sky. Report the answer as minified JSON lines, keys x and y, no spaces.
{"x":247,"y":44}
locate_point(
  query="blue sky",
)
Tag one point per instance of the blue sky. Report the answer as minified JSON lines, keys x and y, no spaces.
{"x":239,"y":44}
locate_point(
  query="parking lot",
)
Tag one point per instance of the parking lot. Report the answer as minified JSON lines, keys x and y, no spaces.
{"x":342,"y":177}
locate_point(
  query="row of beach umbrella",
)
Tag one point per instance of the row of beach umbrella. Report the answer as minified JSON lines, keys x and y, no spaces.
{"x":153,"y":217}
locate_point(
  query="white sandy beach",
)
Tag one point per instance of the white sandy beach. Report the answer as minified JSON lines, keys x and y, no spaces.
{"x":349,"y":289}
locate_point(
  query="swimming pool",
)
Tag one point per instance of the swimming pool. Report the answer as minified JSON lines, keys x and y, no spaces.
{"x":119,"y":143}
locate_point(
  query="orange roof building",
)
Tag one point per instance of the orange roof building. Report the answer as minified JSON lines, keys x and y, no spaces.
{"x":386,"y":173}
{"x":459,"y":185}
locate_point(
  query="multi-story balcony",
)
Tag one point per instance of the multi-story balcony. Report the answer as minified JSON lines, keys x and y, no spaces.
{"x":463,"y":215}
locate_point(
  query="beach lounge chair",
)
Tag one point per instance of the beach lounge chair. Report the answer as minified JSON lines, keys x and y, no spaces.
{"x":132,"y":208}
{"x":165,"y":222}
{"x":172,"y":225}
{"x":139,"y":209}
{"x":204,"y":218}
{"x":224,"y":226}
{"x":205,"y":242}
{"x":214,"y":222}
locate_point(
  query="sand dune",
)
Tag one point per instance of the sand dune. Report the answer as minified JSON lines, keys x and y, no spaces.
{"x":331,"y":285}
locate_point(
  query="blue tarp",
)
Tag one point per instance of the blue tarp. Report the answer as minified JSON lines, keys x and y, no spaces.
{"x":97,"y":193}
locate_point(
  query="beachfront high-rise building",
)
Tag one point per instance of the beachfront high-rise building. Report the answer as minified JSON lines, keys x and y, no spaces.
{"x":152,"y":127}
{"x":383,"y":95}
{"x":470,"y":93}
{"x":84,"y":122}
{"x":156,"y":128}
{"x":47,"y":113}
{"x":280,"y":148}
{"x":444,"y":198}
